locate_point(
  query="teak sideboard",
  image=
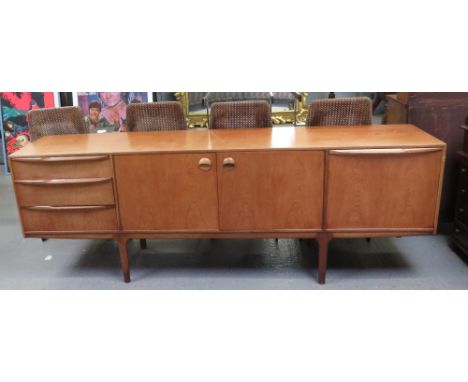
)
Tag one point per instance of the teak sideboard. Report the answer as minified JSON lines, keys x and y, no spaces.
{"x":320,"y":182}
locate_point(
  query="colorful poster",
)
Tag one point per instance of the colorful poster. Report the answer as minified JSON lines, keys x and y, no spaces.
{"x":13,"y":109}
{"x":107,"y":111}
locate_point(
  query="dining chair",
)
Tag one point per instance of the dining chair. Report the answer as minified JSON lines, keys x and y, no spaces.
{"x":156,"y":116}
{"x":56,"y":121}
{"x":340,"y":112}
{"x":240,"y":115}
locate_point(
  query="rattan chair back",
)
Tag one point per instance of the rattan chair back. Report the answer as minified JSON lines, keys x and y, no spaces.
{"x":56,"y":121}
{"x":156,"y":116}
{"x":240,"y":114}
{"x":340,"y":112}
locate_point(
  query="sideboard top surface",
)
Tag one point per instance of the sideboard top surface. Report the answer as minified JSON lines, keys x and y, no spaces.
{"x":203,"y":140}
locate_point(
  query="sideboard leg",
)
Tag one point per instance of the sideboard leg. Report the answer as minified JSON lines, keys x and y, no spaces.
{"x":123,"y":249}
{"x":323,"y":242}
{"x":143,"y":244}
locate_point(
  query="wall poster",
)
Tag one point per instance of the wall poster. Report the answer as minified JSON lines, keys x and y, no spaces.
{"x":107,"y":111}
{"x":14,"y":107}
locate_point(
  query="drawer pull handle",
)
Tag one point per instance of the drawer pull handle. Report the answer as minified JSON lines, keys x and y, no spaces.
{"x":69,"y":208}
{"x":204,"y":164}
{"x":62,"y":159}
{"x":461,"y":210}
{"x":463,"y":169}
{"x":52,"y":182}
{"x":229,"y":162}
{"x":457,"y":230}
{"x":385,"y":151}
{"x":463,"y":190}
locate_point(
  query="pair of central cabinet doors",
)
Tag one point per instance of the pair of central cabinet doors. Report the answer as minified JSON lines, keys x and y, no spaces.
{"x":275,"y":190}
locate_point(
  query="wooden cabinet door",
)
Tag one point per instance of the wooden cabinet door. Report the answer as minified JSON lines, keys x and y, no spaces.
{"x":274,"y":190}
{"x":383,"y":189}
{"x":167,"y":192}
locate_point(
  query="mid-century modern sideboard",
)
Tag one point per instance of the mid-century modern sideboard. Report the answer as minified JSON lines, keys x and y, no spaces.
{"x":321,"y":182}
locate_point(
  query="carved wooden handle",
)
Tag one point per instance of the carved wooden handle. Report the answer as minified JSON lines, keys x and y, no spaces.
{"x":62,"y":159}
{"x":229,"y":162}
{"x":204,"y":164}
{"x":66,"y":208}
{"x":51,"y":182}
{"x":384,"y":151}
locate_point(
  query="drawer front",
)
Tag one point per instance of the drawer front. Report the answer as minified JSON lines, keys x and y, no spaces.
{"x":463,"y":173}
{"x":76,"y":219}
{"x":461,"y":212}
{"x":91,"y":193}
{"x":462,"y":194}
{"x":460,"y":235}
{"x":383,"y":188}
{"x":98,"y":166}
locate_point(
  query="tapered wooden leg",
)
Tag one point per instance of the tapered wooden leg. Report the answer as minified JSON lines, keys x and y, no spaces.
{"x":143,"y":243}
{"x":323,"y":242}
{"x":123,"y":249}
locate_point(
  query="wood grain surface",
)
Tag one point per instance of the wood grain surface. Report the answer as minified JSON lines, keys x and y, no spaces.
{"x":271,"y":190}
{"x":166,"y":192}
{"x":383,"y":190}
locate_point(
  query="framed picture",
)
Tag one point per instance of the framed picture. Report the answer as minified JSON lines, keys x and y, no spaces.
{"x":13,"y":117}
{"x":107,"y":111}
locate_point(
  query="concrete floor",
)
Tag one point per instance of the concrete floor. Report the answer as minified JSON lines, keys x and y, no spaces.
{"x":406,"y":263}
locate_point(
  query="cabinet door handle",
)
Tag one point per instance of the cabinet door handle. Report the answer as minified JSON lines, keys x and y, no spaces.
{"x":62,"y":159}
{"x":384,"y":151}
{"x":52,"y":182}
{"x":229,"y":162}
{"x":204,"y":164}
{"x":66,"y":208}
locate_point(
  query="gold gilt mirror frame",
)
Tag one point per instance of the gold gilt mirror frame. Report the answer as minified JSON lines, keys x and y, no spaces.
{"x":199,"y":118}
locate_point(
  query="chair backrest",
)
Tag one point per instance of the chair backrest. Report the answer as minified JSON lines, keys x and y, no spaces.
{"x":156,"y":116}
{"x":240,"y":114}
{"x":340,"y":112}
{"x":56,"y":121}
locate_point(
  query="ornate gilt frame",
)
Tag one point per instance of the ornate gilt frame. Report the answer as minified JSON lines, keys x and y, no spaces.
{"x":277,"y":117}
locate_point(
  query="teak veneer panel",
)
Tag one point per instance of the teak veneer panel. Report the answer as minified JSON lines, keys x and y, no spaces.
{"x":57,"y":169}
{"x":84,"y":194}
{"x":166,"y":192}
{"x":271,"y":190}
{"x":104,"y":219}
{"x":288,"y":138}
{"x":383,"y":191}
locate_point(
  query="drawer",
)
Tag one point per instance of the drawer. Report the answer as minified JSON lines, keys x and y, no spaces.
{"x":63,"y":192}
{"x":72,"y":167}
{"x":460,"y":235}
{"x":461,"y":212}
{"x":463,"y":173}
{"x":383,"y":188}
{"x":80,"y":218}
{"x":462,"y":194}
